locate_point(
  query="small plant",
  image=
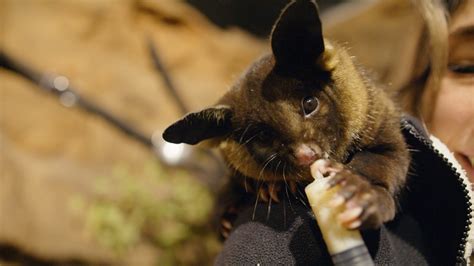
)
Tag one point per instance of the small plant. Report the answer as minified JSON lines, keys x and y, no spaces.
{"x":170,"y":209}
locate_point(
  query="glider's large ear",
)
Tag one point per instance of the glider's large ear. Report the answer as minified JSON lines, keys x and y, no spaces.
{"x":196,"y":127}
{"x":297,"y":39}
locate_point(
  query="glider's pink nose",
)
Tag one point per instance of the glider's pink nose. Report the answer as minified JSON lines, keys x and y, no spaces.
{"x":305,"y":155}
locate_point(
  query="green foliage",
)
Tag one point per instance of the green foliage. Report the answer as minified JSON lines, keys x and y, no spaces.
{"x":169,"y":209}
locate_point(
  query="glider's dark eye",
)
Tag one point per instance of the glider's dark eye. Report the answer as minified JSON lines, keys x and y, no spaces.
{"x":309,"y":104}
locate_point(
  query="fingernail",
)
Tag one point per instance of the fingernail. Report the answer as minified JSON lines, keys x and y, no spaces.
{"x":274,"y":195}
{"x":225,"y":234}
{"x":263,"y":195}
{"x":226,"y":224}
{"x":350,"y":214}
{"x":355,"y":224}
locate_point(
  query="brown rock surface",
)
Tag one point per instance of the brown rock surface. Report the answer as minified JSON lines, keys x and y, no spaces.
{"x":383,"y":36}
{"x":50,"y":153}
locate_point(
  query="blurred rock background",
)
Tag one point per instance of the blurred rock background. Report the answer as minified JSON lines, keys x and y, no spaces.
{"x":76,"y":190}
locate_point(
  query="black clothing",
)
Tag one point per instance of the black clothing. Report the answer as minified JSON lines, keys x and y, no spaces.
{"x":432,"y":225}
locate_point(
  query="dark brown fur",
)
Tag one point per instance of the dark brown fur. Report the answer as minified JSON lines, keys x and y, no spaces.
{"x":259,"y":123}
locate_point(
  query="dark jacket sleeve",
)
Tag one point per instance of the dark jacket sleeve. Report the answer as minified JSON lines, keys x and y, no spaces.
{"x":289,"y":236}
